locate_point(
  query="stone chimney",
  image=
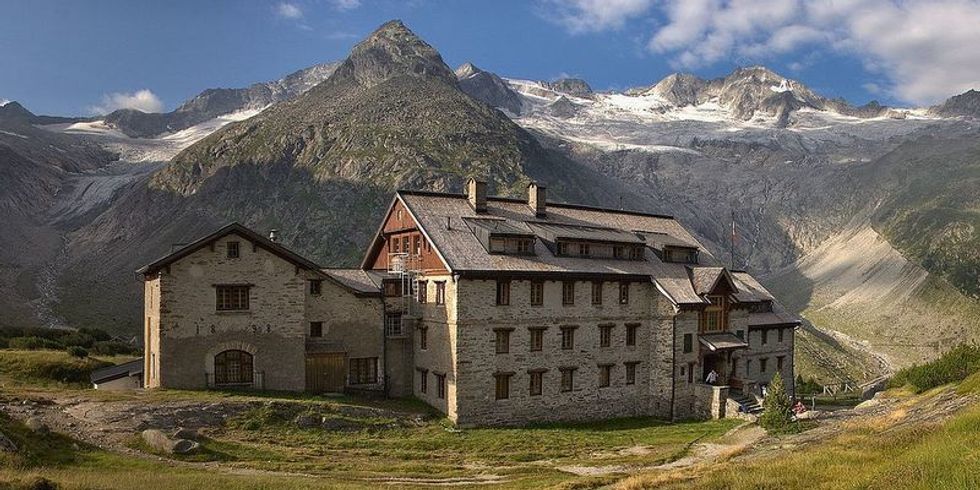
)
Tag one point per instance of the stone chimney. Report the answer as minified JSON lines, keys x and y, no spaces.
{"x":476,"y":194}
{"x":536,"y":196}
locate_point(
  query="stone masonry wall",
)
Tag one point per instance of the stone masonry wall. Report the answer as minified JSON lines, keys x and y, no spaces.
{"x":439,"y":356}
{"x":151,"y":333}
{"x":478,"y":361}
{"x":273,"y":330}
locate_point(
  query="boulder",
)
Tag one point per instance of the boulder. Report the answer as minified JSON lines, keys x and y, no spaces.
{"x":36,"y":425}
{"x":6,"y":445}
{"x":159,"y":441}
{"x":306,"y":420}
{"x":183,"y":433}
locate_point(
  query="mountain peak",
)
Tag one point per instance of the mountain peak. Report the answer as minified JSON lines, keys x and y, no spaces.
{"x":965,"y":104}
{"x":467,"y":70}
{"x":390,"y":51}
{"x":13,"y":111}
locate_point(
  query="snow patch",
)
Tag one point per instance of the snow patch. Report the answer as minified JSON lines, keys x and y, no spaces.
{"x":14,"y":134}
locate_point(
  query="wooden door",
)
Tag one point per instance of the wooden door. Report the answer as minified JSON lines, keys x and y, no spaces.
{"x":325,"y":372}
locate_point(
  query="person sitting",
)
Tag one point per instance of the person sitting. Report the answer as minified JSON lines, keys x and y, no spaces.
{"x":799,"y":407}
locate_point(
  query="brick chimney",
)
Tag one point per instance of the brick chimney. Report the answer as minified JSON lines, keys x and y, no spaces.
{"x":536,"y":196}
{"x":476,"y":194}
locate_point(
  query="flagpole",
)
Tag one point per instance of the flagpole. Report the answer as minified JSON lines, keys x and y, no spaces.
{"x":733,"y":240}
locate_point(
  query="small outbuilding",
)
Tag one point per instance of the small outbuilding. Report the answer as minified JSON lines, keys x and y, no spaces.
{"x":125,"y":376}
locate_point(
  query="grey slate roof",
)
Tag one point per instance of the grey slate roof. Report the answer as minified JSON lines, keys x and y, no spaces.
{"x":131,"y":368}
{"x":749,"y":289}
{"x":360,"y":281}
{"x":463,"y":252}
{"x":722,"y":341}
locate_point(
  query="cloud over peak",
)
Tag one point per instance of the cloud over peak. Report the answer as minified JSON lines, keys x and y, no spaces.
{"x":925,"y":50}
{"x":141,"y":100}
{"x":288,"y":10}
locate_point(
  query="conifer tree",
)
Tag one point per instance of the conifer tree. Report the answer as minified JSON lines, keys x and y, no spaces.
{"x":776,"y":407}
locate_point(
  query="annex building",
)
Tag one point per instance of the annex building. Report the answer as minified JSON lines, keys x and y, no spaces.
{"x":495,"y":311}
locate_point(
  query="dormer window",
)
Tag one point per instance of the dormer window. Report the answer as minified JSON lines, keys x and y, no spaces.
{"x":511,"y":245}
{"x":618,"y":251}
{"x":636,"y":253}
{"x":680,"y":255}
{"x":584,"y":250}
{"x":714,"y":317}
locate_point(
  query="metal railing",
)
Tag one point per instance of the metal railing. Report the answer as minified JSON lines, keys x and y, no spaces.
{"x":256,"y":383}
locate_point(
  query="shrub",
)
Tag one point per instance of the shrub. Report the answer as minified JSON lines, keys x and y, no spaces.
{"x":807,"y":387}
{"x":77,"y":351}
{"x":112,"y":348}
{"x":955,"y":365}
{"x":96,"y":334}
{"x":776,"y":407}
{"x":77,"y":339}
{"x":34,"y":343}
{"x":4,"y":343}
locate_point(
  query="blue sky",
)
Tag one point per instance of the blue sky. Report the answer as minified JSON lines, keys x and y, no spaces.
{"x":85,"y":57}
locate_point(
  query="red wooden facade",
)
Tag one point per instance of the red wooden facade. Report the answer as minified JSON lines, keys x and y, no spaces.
{"x":401,"y":234}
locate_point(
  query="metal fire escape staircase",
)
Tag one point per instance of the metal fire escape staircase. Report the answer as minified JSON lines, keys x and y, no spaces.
{"x":406,"y":269}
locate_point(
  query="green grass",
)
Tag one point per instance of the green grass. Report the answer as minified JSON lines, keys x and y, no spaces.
{"x":955,"y":365}
{"x":49,"y":368}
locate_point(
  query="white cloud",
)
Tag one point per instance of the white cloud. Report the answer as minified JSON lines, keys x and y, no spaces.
{"x":141,"y":100}
{"x":926,"y":49}
{"x":581,"y":16}
{"x":289,"y":11}
{"x":345,"y":5}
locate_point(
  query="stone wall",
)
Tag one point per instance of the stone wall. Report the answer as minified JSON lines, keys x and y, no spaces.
{"x":191,"y":331}
{"x":480,"y":318}
{"x":151,"y":333}
{"x":685,"y":363}
{"x":352,"y":324}
{"x":750,"y":362}
{"x":439,"y":356}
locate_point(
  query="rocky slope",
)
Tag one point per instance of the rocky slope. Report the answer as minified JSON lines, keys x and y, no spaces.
{"x":320,"y":168}
{"x":216,"y":102}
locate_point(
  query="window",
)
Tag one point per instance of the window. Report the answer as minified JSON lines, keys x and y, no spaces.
{"x":567,"y":338}
{"x":392,"y":289}
{"x":524,"y":246}
{"x":605,"y":375}
{"x":624,"y":293}
{"x":605,"y":335}
{"x":502,"y":340}
{"x":636,"y":253}
{"x":422,"y":295}
{"x":748,"y":367}
{"x":713,"y":318}
{"x":740,"y":334}
{"x":690,"y":372}
{"x":681,"y":255}
{"x":498,"y":245}
{"x":568,"y":293}
{"x":416,"y":245}
{"x":316,"y":285}
{"x":231,"y":298}
{"x":537,"y":339}
{"x":584,"y":250}
{"x":765,"y":337}
{"x":396,"y":245}
{"x":423,"y":338}
{"x":316,"y":329}
{"x":537,"y":293}
{"x":405,"y":243}
{"x":688,"y":342}
{"x":567,"y":379}
{"x":762,"y":364}
{"x":780,"y":336}
{"x":779,"y":362}
{"x":441,"y":386}
{"x":503,"y":293}
{"x":363,"y":370}
{"x":535,"y":382}
{"x":233,"y":367}
{"x":562,"y":248}
{"x":393,"y":324}
{"x":618,"y":251}
{"x":423,"y":380}
{"x":233,"y":250}
{"x":631,"y":373}
{"x":596,"y":292}
{"x":503,"y":385}
{"x":631,"y":333}
{"x":440,"y":293}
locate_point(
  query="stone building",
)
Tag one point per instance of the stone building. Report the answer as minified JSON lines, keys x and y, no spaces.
{"x":494,"y":311}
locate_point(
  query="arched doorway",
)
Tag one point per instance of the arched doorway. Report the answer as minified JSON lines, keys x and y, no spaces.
{"x":233,"y":367}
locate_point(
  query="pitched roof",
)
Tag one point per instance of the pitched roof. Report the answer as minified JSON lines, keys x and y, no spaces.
{"x":749,"y":289}
{"x":131,"y":368}
{"x":464,"y":254}
{"x":363,"y":282}
{"x":231,"y":228}
{"x":705,"y":279}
